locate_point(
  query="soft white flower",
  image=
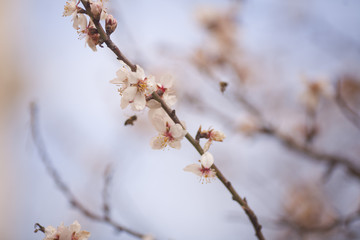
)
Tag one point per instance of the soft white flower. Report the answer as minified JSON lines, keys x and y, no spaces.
{"x":121,"y":80}
{"x":135,"y":87}
{"x":66,"y":233}
{"x":79,"y":22}
{"x":169,"y":133}
{"x":70,"y":8}
{"x":212,"y":135}
{"x":204,"y":170}
{"x":166,"y":92}
{"x":90,"y":34}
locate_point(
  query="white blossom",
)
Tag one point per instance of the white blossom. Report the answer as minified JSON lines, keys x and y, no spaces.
{"x":135,"y":87}
{"x":204,"y":171}
{"x":70,"y":8}
{"x":66,"y":233}
{"x":166,"y":92}
{"x":79,"y":22}
{"x":90,"y":34}
{"x":212,"y":135}
{"x":170,"y":133}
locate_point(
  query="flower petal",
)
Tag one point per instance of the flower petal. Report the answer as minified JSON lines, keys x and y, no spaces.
{"x":122,"y":74}
{"x":75,"y":227}
{"x":194,"y":168}
{"x":139,"y":102}
{"x":175,"y":144}
{"x":177,"y":131}
{"x":130,"y":93}
{"x":166,"y":81}
{"x":157,"y":142}
{"x":207,"y":160}
{"x":159,"y":123}
{"x":170,"y":99}
{"x":153,"y":104}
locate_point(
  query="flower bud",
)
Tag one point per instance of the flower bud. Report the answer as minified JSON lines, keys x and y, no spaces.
{"x":207,"y":160}
{"x":96,"y":9}
{"x":110,"y":24}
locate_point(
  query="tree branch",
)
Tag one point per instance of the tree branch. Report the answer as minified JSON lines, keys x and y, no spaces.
{"x":349,"y":113}
{"x":172,"y":115}
{"x":45,"y":158}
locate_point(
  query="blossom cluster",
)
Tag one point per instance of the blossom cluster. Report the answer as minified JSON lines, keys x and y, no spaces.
{"x":86,"y":29}
{"x":137,"y":89}
{"x":66,"y":233}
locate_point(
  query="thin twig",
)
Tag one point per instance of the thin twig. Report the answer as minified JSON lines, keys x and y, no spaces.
{"x":227,"y":184}
{"x":45,"y":158}
{"x":173,"y":116}
{"x":109,"y":43}
{"x":105,"y":193}
{"x":305,"y":149}
{"x":349,"y":113}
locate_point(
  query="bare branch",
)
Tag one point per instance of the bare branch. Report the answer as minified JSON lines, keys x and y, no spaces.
{"x":45,"y":158}
{"x":349,"y":113}
{"x":105,"y":193}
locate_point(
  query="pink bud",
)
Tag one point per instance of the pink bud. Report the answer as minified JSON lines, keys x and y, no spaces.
{"x":110,"y":24}
{"x":96,"y":9}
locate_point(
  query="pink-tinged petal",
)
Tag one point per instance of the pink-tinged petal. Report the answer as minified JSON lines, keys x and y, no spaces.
{"x":212,"y":174}
{"x":159,"y":123}
{"x":91,"y":44}
{"x":129,"y":93}
{"x":50,"y":231}
{"x":207,"y":145}
{"x":133,"y":79}
{"x":82,"y":21}
{"x":175,"y":144}
{"x":75,"y":227}
{"x":139,"y":102}
{"x":153,"y":104}
{"x":166,"y":81}
{"x":157,"y":142}
{"x":124,"y":103}
{"x":170,"y":99}
{"x":122,"y":74}
{"x":140,"y":72}
{"x":103,"y":15}
{"x":79,"y":21}
{"x":194,"y":168}
{"x":177,"y":131}
{"x":150,"y":85}
{"x":83,"y":235}
{"x":207,"y":160}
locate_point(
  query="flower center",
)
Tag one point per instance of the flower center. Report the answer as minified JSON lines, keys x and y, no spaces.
{"x":142,"y":85}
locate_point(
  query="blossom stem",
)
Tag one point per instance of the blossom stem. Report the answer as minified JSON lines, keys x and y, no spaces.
{"x":46,"y":159}
{"x":235,"y":196}
{"x":106,"y":39}
{"x":172,"y":115}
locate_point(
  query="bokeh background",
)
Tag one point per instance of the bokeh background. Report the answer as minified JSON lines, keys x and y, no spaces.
{"x":43,"y":61}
